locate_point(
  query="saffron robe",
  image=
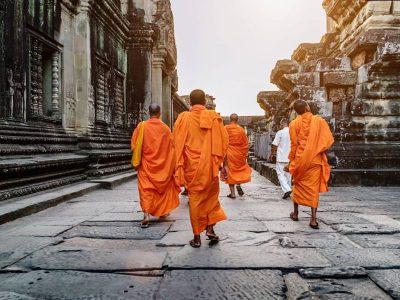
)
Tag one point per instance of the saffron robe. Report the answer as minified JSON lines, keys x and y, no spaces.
{"x":238,"y":148}
{"x":310,"y":138}
{"x":201,"y":142}
{"x":158,"y":191}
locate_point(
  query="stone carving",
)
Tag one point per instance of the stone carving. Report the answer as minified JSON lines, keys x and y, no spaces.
{"x":10,"y":92}
{"x":55,"y":84}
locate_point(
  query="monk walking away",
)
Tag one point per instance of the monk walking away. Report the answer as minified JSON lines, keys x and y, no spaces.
{"x":236,"y":157}
{"x":310,"y":139}
{"x":201,"y":143}
{"x":158,"y":191}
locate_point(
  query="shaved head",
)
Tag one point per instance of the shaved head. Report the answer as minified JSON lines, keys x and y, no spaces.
{"x":154,"y":110}
{"x":301,"y":107}
{"x":197,"y":97}
{"x":234,"y":118}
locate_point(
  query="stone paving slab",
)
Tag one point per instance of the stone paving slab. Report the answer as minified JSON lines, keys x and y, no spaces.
{"x":90,"y":259}
{"x":389,"y":241}
{"x":388,"y":280}
{"x":289,"y":226}
{"x":111,"y":216}
{"x":222,"y":284}
{"x":225,"y":226}
{"x":80,"y":285}
{"x":222,"y":257}
{"x":316,"y":240}
{"x":38,"y":231}
{"x":240,"y":238}
{"x":333,"y":218}
{"x":365,"y":228}
{"x":367,"y":258}
{"x":134,"y":232}
{"x":14,"y":248}
{"x":333,"y":272}
{"x":14,"y":296}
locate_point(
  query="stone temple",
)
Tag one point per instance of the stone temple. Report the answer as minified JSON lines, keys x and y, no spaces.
{"x":352,"y":79}
{"x":75,"y":78}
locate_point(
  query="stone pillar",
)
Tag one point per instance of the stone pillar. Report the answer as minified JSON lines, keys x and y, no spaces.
{"x":2,"y":67}
{"x":166,"y":101}
{"x":157,"y":80}
{"x":55,"y":84}
{"x":85,"y":105}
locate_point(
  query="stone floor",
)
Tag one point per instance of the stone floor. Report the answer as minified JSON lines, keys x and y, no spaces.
{"x":91,"y":247}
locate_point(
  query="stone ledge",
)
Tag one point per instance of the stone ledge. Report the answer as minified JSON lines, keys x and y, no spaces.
{"x":111,"y":182}
{"x":14,"y":209}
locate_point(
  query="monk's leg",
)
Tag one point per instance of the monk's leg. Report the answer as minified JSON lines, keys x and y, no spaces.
{"x":295,"y":214}
{"x":210,"y":233}
{"x":313,"y":220}
{"x":232,"y":189}
{"x":146,"y":219}
{"x":196,"y":242}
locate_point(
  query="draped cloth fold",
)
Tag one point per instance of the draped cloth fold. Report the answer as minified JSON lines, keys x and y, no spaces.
{"x":200,"y":142}
{"x":159,"y":193}
{"x":239,"y":170}
{"x":310,"y":138}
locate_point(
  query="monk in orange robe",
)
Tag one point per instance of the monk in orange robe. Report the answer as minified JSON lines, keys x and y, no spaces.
{"x":158,"y":191}
{"x":238,"y":148}
{"x":201,"y":142}
{"x":310,"y":139}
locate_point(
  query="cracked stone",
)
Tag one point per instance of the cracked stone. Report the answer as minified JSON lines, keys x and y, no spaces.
{"x":368,"y":258}
{"x":296,"y":286}
{"x":388,"y":280}
{"x":255,"y":257}
{"x":365,"y":228}
{"x":154,"y":232}
{"x":317,"y":240}
{"x":390,"y":241}
{"x":14,"y":296}
{"x":91,"y":285}
{"x":333,"y":218}
{"x":291,"y":227}
{"x":225,"y":226}
{"x":222,"y":284}
{"x":333,"y":272}
{"x":86,"y":259}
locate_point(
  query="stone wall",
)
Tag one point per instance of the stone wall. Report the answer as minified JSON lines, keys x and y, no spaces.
{"x":75,"y":79}
{"x":351,"y":78}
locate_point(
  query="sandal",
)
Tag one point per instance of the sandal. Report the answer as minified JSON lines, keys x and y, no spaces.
{"x":240,"y":191}
{"x":316,"y":226}
{"x":212,"y":237}
{"x":230,"y":196}
{"x":164,"y":216}
{"x":194,"y":244}
{"x":144,"y":223}
{"x":293,"y":217}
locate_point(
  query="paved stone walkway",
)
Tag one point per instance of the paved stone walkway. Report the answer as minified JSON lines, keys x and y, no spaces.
{"x":92,"y":248}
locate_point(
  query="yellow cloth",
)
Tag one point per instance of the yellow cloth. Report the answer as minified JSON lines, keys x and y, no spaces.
{"x":137,"y":147}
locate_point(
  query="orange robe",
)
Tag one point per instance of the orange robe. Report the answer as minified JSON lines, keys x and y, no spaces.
{"x":201,"y":142}
{"x":239,"y":170}
{"x":159,"y":193}
{"x":310,"y":138}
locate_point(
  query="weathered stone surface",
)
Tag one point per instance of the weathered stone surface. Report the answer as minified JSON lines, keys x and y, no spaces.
{"x":38,"y":231}
{"x":14,"y":296}
{"x":290,"y":227}
{"x":255,"y":257}
{"x":88,"y":259}
{"x":63,"y":285}
{"x":368,"y":258}
{"x":222,"y":284}
{"x":134,"y":232}
{"x":225,"y":226}
{"x":317,"y":240}
{"x":339,"y":79}
{"x":345,"y":289}
{"x":333,"y":272}
{"x":115,"y":217}
{"x":390,"y":241}
{"x":332,"y":218}
{"x":388,"y":280}
{"x":296,"y":286}
{"x":365,"y":228}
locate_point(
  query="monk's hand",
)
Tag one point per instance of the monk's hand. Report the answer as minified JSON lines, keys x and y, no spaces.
{"x":224,"y":173}
{"x":286,"y":168}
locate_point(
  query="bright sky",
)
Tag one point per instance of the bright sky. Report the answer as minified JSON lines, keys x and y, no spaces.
{"x":229,"y":47}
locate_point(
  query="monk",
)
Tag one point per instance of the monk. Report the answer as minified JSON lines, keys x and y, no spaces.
{"x":158,"y":191}
{"x":310,"y":138}
{"x":238,"y":148}
{"x":201,"y":143}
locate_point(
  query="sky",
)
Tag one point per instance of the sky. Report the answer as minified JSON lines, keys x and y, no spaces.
{"x":228,"y":48}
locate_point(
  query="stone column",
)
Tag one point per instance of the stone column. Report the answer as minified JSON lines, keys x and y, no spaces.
{"x":55,"y":84}
{"x":2,"y":67}
{"x":157,"y":80}
{"x":166,"y":101}
{"x":85,"y":105}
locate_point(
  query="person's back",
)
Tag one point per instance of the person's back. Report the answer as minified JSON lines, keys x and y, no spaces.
{"x":157,"y":188}
{"x":201,"y":142}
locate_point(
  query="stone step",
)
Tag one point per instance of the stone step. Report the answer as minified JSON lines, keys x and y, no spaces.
{"x":17,"y":208}
{"x":111,"y":182}
{"x":20,"y":207}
